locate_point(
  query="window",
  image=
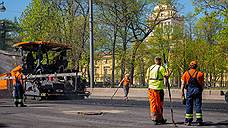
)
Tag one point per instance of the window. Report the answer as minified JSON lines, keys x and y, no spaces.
{"x":105,"y":71}
{"x":95,"y":70}
{"x":162,"y":14}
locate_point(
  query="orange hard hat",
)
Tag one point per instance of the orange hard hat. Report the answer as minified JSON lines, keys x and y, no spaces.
{"x":193,"y":63}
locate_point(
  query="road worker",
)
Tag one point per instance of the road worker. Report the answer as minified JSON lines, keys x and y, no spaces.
{"x":155,"y":79}
{"x":193,"y":83}
{"x":126,"y":84}
{"x":18,"y":86}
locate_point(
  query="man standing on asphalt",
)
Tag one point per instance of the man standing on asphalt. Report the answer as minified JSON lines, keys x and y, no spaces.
{"x":193,"y":82}
{"x":155,"y":78}
{"x":18,"y":87}
{"x":126,"y":84}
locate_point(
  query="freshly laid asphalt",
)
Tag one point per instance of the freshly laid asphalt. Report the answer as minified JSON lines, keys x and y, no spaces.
{"x":101,"y":112}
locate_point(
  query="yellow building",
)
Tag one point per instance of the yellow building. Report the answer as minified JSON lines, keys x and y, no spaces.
{"x":103,"y":67}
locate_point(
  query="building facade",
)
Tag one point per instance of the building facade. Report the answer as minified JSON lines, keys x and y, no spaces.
{"x":103,"y":67}
{"x":165,"y":16}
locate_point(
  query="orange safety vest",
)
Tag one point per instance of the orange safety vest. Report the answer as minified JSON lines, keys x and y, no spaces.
{"x":200,"y":76}
{"x":126,"y":81}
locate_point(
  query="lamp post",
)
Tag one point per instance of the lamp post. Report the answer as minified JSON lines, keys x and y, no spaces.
{"x":2,"y":27}
{"x":91,"y":44}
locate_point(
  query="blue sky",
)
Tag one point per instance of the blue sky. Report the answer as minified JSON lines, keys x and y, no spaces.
{"x":14,"y":8}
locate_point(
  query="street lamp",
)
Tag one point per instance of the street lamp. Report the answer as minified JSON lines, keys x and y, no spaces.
{"x":2,"y":7}
{"x":91,"y":44}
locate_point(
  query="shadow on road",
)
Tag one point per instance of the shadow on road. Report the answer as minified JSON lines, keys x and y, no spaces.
{"x":222,"y":123}
{"x":218,"y":107}
{"x":6,"y":106}
{"x":3,"y":125}
{"x":210,"y":106}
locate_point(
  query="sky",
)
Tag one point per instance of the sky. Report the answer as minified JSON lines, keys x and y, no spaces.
{"x":14,"y":8}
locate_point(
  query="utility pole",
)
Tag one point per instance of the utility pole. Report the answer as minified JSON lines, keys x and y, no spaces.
{"x":91,"y":44}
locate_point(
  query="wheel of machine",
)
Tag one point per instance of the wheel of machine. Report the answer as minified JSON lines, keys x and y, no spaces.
{"x":43,"y":98}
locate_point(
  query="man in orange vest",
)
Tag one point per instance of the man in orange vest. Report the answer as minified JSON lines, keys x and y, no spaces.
{"x":126,"y":85}
{"x":193,"y":83}
{"x":18,"y":86}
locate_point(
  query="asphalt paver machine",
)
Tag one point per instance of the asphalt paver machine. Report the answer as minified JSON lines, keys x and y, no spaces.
{"x":46,"y":72}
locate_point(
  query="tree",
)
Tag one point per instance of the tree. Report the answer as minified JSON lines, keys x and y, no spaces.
{"x":214,"y":25}
{"x":133,"y":27}
{"x":109,"y":19}
{"x":190,"y":21}
{"x":141,"y":30}
{"x":36,"y":21}
{"x":9,"y":33}
{"x":205,"y":6}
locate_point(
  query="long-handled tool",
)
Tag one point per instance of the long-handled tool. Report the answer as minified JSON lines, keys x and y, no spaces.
{"x":170,"y":100}
{"x":170,"y":97}
{"x":115,"y":91}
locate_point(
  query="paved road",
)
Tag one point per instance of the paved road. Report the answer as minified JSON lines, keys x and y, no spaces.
{"x":114,"y":114}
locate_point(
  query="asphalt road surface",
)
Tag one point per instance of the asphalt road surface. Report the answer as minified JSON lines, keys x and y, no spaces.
{"x":101,"y":113}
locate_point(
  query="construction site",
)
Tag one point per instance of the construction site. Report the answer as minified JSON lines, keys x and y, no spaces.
{"x":113,"y":64}
{"x":98,"y":110}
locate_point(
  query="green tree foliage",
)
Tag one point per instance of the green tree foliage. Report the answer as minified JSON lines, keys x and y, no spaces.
{"x":36,"y":21}
{"x":213,"y":28}
{"x":206,"y":6}
{"x":62,"y":21}
{"x":123,"y":28}
{"x":119,"y":16}
{"x":202,"y":40}
{"x":133,"y":28}
{"x":8,"y":33}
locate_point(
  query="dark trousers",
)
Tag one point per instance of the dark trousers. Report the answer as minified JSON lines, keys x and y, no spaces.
{"x":193,"y":95}
{"x":18,"y":94}
{"x":126,"y":90}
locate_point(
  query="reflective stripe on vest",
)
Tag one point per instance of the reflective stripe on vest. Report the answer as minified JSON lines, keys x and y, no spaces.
{"x":157,"y":75}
